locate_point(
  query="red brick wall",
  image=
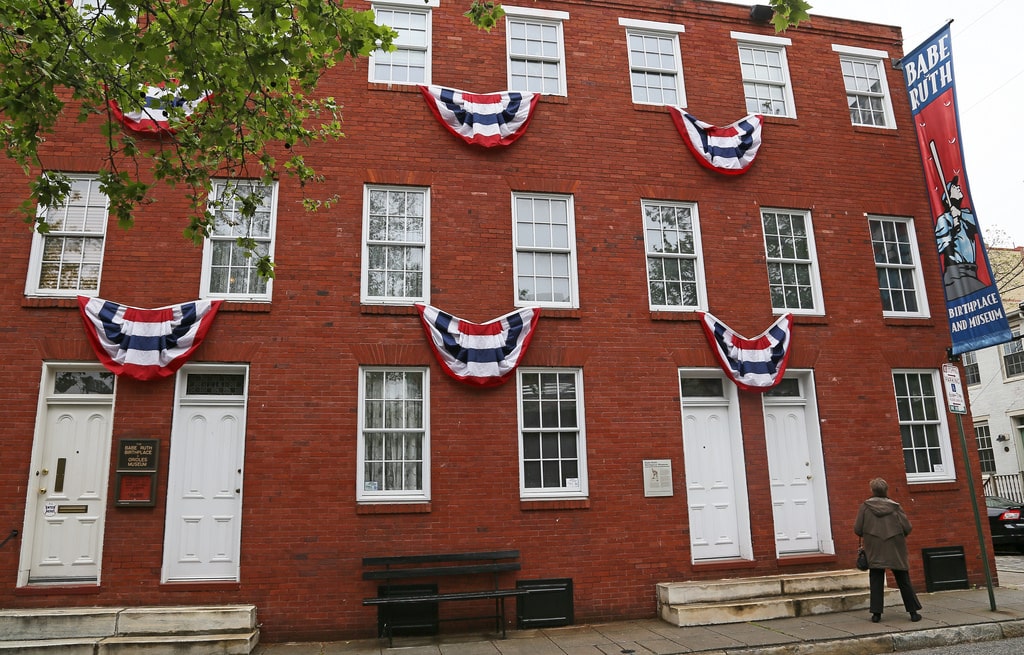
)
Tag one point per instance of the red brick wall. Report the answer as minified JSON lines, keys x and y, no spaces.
{"x":303,"y":535}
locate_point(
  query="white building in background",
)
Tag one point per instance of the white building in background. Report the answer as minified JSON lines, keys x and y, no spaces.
{"x":995,"y":384}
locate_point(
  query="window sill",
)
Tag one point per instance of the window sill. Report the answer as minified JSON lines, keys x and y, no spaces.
{"x":248,"y":307}
{"x":191,"y":585}
{"x":400,"y":310}
{"x":37,"y":301}
{"x":529,"y":505}
{"x":395,"y":86}
{"x":686,"y":315}
{"x":546,"y":312}
{"x":371,"y":507}
{"x":809,"y":319}
{"x":908,"y":321}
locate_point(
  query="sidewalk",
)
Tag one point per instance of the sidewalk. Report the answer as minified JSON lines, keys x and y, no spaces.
{"x":949,"y":617}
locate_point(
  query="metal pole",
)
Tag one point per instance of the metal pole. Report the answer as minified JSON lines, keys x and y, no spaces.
{"x":977,"y":514}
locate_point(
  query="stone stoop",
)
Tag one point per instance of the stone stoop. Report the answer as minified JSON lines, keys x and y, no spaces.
{"x":184,"y":630}
{"x":737,"y":600}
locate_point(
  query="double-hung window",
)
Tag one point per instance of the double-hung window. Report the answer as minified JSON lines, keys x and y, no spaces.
{"x":536,"y":50}
{"x":972,"y":372}
{"x":66,"y":261}
{"x":986,"y":455}
{"x":1013,"y":356}
{"x":396,"y":256}
{"x":394,"y":435}
{"x":552,"y":440}
{"x":409,"y":62}
{"x":793,"y":279}
{"x":765,"y":70}
{"x":675,"y":270}
{"x":655,"y":63}
{"x":900,"y":281}
{"x":926,"y":450}
{"x":229,"y":271}
{"x":867,"y":90}
{"x":544,"y":236}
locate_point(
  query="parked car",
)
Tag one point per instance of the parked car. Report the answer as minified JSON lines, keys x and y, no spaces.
{"x":1006,"y":519}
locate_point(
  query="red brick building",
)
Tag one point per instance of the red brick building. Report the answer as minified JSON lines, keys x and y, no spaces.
{"x":314,"y":426}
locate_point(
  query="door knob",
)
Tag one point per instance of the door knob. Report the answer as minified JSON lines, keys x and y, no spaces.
{"x":42,"y":491}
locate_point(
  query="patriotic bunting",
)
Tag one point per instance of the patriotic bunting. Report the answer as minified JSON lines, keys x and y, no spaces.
{"x":485,"y":354}
{"x":146,"y":344}
{"x":728,"y":150}
{"x":151,"y":117}
{"x":753,"y":364}
{"x":486,"y":119}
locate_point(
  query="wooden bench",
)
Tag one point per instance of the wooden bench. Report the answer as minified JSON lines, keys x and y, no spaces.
{"x":487,"y":565}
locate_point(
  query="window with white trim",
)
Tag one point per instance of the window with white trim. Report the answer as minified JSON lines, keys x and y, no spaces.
{"x":972,"y":372}
{"x":229,"y":271}
{"x":544,"y":239}
{"x":409,"y":62}
{"x":536,"y":50}
{"x":394,"y":435}
{"x":765,"y":70}
{"x":675,"y":268}
{"x":867,"y":90}
{"x":67,"y":260}
{"x":926,"y":451}
{"x":552,"y":439}
{"x":900,"y":280}
{"x":92,"y":9}
{"x":793,"y":279}
{"x":986,"y":455}
{"x":655,"y":62}
{"x":1013,"y":356}
{"x":396,"y":255}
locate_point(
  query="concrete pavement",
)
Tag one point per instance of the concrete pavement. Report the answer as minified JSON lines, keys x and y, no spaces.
{"x":949,"y":617}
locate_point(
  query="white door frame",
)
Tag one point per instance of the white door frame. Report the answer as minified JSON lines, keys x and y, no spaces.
{"x":728,"y":401}
{"x":38,"y":480}
{"x":816,"y":460}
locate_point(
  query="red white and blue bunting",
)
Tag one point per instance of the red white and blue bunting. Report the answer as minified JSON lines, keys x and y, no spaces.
{"x":484,"y":119}
{"x":729,"y":150}
{"x":484,"y":355}
{"x":151,"y":117}
{"x":753,"y":364}
{"x":146,"y":344}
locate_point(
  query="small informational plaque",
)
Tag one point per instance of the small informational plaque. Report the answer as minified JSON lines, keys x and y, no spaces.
{"x":657,"y":477}
{"x":137,"y":466}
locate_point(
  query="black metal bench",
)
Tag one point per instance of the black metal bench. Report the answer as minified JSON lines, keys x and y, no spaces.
{"x":429,"y":567}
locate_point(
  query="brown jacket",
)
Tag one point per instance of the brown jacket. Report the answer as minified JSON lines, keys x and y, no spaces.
{"x":884,"y":527}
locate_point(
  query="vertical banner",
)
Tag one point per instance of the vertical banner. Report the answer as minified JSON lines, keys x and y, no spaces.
{"x":973,"y":306}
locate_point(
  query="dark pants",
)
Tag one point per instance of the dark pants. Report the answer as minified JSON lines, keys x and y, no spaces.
{"x":877,"y":580}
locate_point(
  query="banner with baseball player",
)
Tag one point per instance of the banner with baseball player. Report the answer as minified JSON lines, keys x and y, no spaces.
{"x":973,"y":306}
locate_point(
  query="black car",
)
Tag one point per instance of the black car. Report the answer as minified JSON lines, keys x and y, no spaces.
{"x":1006,"y":519}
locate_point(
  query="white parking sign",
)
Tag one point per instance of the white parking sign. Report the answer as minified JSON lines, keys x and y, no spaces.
{"x":954,"y":390}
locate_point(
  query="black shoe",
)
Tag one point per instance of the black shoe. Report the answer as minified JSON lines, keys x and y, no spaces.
{"x":915,"y":617}
{"x":877,"y":616}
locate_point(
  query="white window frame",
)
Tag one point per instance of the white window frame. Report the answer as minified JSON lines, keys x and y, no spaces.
{"x":364,"y":495}
{"x":661,"y":31}
{"x":913,"y":267}
{"x":768,"y":45}
{"x":697,"y":257}
{"x":542,"y":18}
{"x":424,"y":291}
{"x":1010,"y":349}
{"x":852,"y":56}
{"x":811,"y":262}
{"x":402,"y":43}
{"x":39,"y":241}
{"x":535,"y":250}
{"x":972,"y":371}
{"x":937,"y":419}
{"x":986,"y":450}
{"x":214,"y":240}
{"x":572,"y":490}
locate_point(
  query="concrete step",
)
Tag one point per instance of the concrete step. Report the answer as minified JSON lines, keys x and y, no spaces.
{"x":736,"y":600}
{"x":181,"y":630}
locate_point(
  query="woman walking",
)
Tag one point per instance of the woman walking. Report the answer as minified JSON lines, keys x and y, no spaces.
{"x":884,"y":527}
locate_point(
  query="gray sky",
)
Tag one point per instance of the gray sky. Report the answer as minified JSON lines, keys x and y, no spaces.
{"x":986,"y":40}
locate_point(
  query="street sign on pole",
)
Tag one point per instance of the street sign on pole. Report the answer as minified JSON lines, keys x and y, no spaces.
{"x":954,"y":390}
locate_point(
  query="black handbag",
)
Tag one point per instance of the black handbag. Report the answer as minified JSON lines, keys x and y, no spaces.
{"x":862,"y":558}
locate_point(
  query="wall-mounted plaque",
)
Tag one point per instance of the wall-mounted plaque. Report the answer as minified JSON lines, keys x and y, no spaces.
{"x":657,"y":477}
{"x":137,"y":454}
{"x":135,"y":484}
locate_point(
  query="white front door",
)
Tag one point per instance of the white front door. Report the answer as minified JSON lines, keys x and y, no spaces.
{"x":67,"y":490}
{"x":795,"y":467}
{"x":202,"y":535}
{"x":715,"y":472}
